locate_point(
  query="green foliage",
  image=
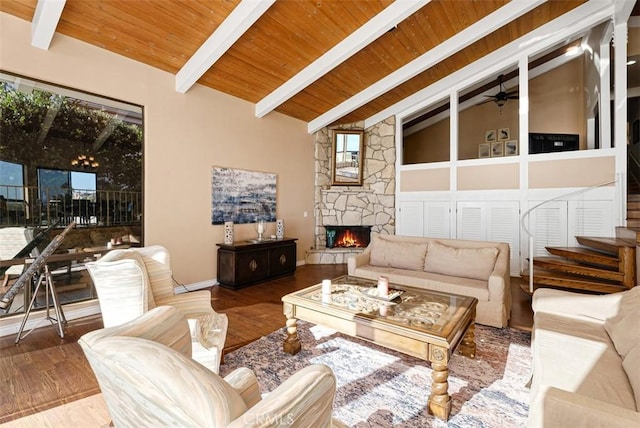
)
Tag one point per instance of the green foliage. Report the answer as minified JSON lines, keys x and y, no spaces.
{"x":42,"y":129}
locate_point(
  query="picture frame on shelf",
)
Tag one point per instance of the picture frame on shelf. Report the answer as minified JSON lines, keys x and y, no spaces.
{"x":511,"y":148}
{"x":497,"y":149}
{"x":504,"y":134}
{"x":490,"y":136}
{"x":484,"y":150}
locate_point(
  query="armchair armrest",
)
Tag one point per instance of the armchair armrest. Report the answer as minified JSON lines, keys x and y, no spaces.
{"x":557,"y":407}
{"x":303,"y":400}
{"x":355,"y":261}
{"x":245,"y":382}
{"x":566,"y":303}
{"x":193,"y":304}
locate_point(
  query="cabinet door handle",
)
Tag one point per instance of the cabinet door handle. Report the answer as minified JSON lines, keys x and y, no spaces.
{"x":283,"y":259}
{"x":253,"y":265}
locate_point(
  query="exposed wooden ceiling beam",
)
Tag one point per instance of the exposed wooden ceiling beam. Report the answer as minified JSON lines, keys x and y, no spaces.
{"x":374,"y":28}
{"x":231,"y":29}
{"x":483,"y":27}
{"x":45,"y":21}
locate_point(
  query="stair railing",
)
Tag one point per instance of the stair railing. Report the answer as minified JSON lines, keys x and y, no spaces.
{"x":525,"y":217}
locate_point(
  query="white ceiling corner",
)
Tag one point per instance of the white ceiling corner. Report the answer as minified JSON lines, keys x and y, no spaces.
{"x":486,"y":25}
{"x":232,"y":28}
{"x":359,"y":39}
{"x":45,"y":21}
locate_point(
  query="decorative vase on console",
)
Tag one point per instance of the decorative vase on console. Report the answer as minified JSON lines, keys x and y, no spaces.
{"x":279,"y":228}
{"x":228,"y":232}
{"x":261,"y":227}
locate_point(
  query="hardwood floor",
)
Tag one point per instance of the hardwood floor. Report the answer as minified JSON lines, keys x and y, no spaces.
{"x":44,"y":371}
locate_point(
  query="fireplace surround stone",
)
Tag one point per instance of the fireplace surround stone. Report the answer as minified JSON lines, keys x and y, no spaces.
{"x":372,"y":204}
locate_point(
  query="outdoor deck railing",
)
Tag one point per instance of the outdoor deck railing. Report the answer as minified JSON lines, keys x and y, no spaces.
{"x":34,"y":206}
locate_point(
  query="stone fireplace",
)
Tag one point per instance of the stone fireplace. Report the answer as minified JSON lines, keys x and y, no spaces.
{"x":347,"y":236}
{"x":371,"y":205}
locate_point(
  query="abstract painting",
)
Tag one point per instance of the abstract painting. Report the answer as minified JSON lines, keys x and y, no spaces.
{"x":242,"y":196}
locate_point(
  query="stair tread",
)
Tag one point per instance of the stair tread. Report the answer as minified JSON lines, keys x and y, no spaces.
{"x":543,"y":278}
{"x":586,"y":254}
{"x":577,"y":268}
{"x":545,"y":273}
{"x":615,"y":242}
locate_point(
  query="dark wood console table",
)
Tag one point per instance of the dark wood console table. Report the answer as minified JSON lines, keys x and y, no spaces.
{"x":249,"y":262}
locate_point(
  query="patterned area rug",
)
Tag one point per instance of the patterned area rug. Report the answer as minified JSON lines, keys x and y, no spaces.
{"x":378,"y":387}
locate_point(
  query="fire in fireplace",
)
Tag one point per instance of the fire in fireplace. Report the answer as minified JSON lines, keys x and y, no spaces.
{"x":348,"y":236}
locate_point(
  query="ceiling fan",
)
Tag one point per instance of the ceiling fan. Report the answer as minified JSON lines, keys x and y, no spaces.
{"x":503,"y":95}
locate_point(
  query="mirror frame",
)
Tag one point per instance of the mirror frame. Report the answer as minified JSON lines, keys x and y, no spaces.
{"x":338,"y":179}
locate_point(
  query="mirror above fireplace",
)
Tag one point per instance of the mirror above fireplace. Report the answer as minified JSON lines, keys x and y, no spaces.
{"x":347,"y":155}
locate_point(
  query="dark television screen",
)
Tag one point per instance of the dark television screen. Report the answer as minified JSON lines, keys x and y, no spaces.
{"x":548,"y":143}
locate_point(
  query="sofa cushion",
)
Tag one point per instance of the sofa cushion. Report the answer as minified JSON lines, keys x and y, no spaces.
{"x":400,"y":255}
{"x":631,"y":365}
{"x":623,"y":328}
{"x":474,"y":263}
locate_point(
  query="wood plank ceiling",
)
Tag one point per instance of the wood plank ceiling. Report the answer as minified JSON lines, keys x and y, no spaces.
{"x":292,"y":36}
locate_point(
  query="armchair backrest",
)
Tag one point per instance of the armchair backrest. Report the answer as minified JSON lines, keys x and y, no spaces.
{"x":12,"y":240}
{"x":129,"y":282}
{"x":158,"y":264}
{"x":147,"y":383}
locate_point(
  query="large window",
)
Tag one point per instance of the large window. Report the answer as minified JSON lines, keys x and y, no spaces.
{"x":67,"y":155}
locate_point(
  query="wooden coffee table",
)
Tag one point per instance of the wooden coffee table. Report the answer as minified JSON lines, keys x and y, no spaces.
{"x":425,"y":324}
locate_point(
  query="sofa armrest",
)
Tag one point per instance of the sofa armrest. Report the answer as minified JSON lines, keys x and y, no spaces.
{"x":245,"y":382}
{"x":499,"y":281}
{"x":560,"y":408}
{"x":303,"y":400}
{"x":356,"y":261}
{"x":567,"y":303}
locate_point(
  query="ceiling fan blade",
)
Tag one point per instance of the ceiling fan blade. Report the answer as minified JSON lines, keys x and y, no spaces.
{"x":513,"y":97}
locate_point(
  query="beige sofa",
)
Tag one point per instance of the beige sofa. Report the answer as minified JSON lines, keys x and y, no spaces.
{"x":478,"y":269}
{"x":586,"y":359}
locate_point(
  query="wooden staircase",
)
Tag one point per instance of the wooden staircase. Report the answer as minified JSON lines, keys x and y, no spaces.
{"x":599,"y":265}
{"x":633,"y":210}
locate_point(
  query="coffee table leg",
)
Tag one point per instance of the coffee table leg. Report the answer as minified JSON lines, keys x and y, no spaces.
{"x":439,"y":400}
{"x":291,"y":344}
{"x":468,"y":345}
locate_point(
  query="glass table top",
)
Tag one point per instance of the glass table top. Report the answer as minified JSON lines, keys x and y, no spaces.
{"x":420,"y":309}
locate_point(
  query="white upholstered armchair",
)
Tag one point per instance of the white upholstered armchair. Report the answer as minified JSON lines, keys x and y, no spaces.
{"x":147,"y":379}
{"x":133,"y":281}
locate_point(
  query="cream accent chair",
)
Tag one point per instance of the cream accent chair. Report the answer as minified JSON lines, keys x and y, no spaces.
{"x":12,"y":240}
{"x":133,"y":281}
{"x":148,"y":380}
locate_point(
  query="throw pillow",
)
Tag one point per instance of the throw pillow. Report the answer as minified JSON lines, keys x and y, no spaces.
{"x":631,"y":366}
{"x":473,"y":263}
{"x":399,"y":255}
{"x":624,"y":327}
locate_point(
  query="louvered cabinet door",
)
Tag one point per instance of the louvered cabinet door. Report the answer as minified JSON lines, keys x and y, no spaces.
{"x":503,"y":225}
{"x":496,"y":221}
{"x":548,"y":226}
{"x":590,"y":218}
{"x":424,"y":218}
